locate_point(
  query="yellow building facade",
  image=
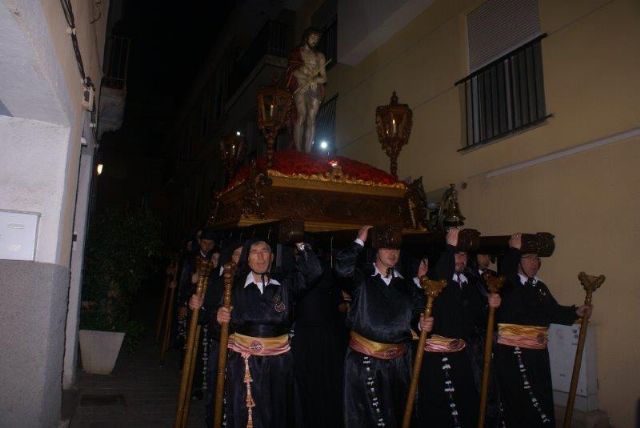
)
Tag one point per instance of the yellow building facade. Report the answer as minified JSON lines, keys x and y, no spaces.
{"x":575,"y":174}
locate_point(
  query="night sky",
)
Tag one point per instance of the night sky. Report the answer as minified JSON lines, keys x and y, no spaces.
{"x":170,"y":42}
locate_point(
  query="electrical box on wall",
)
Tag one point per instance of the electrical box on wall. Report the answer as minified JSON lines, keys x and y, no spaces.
{"x":563,"y":341}
{"x":88,"y":95}
{"x":18,"y":233}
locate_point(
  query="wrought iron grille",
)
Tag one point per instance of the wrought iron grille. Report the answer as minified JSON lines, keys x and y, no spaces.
{"x":329,"y":43}
{"x":273,"y":39}
{"x":116,"y":62}
{"x":504,"y":96}
{"x":326,"y":123}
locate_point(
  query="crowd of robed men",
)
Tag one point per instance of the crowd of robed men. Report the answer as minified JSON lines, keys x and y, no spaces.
{"x":329,"y":341}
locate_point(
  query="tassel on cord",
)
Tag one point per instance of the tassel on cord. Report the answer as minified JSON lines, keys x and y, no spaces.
{"x":249,"y":401}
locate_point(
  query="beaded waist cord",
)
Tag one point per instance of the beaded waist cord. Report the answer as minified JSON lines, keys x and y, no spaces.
{"x":523,"y":336}
{"x":384,"y":351}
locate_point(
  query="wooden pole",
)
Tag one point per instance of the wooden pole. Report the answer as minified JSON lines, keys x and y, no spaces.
{"x":494,"y":284}
{"x":192,"y":369}
{"x":590,"y":284}
{"x":229,"y":271}
{"x":168,"y":321}
{"x":431,"y":289}
{"x":165,"y":296}
{"x":204,"y":268}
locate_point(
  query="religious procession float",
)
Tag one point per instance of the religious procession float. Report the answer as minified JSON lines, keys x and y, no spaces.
{"x":284,"y":194}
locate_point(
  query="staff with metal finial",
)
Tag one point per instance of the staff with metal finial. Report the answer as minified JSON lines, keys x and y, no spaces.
{"x":204,"y":270}
{"x":229,"y":271}
{"x":590,"y":284}
{"x":494,"y":284}
{"x":431,"y":289}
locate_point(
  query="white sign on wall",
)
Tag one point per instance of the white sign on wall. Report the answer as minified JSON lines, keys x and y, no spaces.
{"x":18,"y":232}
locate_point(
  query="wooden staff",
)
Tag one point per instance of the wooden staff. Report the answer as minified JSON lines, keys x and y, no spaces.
{"x":494,"y":284}
{"x":165,"y":297}
{"x":590,"y":284}
{"x":229,"y":271}
{"x":431,"y":290}
{"x":204,"y":268}
{"x":168,"y":319}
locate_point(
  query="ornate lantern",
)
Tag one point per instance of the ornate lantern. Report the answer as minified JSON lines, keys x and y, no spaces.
{"x":274,"y":104}
{"x":231,"y":151}
{"x":393,"y":123}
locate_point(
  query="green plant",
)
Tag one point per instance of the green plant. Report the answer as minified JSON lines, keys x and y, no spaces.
{"x":122,"y":251}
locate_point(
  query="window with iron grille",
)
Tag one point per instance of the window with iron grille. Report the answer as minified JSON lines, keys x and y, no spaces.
{"x":505,"y":91}
{"x":326,"y":124}
{"x":329,"y":43}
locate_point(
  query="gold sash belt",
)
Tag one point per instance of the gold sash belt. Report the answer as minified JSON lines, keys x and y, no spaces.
{"x":259,"y":346}
{"x":384,"y":351}
{"x":248,"y":346}
{"x":437,"y":343}
{"x":523,"y":336}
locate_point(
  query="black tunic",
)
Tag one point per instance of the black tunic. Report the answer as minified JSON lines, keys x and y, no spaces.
{"x":266,"y":314}
{"x":527,"y":305}
{"x":375,"y":390}
{"x":318,"y":346}
{"x":447,"y":396}
{"x":186,"y":289}
{"x":493,"y":415}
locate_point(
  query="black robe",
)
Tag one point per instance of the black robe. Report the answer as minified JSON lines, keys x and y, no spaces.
{"x":267,"y":314}
{"x":212,"y":300}
{"x":527,"y":305}
{"x":447,"y":395}
{"x":375,"y":390}
{"x":493,"y":415}
{"x":185,"y":290}
{"x":319,"y":344}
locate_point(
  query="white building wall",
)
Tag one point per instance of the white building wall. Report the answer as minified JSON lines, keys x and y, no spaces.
{"x":32,"y":173}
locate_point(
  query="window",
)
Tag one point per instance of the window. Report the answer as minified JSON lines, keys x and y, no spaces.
{"x":329,"y":43}
{"x":326,"y":19}
{"x":326,"y":124}
{"x":505,"y":91}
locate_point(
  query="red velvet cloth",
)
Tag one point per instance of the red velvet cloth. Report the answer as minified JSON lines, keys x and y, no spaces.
{"x":291,"y":162}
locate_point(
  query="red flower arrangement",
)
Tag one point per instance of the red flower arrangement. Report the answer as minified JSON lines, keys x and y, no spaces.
{"x":292,"y":162}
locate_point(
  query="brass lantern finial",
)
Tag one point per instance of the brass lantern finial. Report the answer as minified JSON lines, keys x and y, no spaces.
{"x":274,"y":104}
{"x":393,"y":123}
{"x":231,"y":151}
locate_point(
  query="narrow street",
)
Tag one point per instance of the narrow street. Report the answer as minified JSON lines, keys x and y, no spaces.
{"x":140,"y":393}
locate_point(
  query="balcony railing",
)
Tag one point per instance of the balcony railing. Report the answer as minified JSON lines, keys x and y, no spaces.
{"x":326,"y":123}
{"x":505,"y":96}
{"x":329,"y":43}
{"x":116,"y":62}
{"x":273,"y":39}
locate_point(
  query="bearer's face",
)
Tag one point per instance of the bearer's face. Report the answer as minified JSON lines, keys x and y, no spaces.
{"x":484,"y":261}
{"x":388,"y":256}
{"x":206,"y":245}
{"x":461,"y":261}
{"x":260,"y":257}
{"x":530,"y":265}
{"x":235,"y":256}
